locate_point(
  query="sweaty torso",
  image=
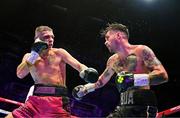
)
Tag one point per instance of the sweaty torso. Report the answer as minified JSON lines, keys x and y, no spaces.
{"x":130,"y":63}
{"x":49,"y":69}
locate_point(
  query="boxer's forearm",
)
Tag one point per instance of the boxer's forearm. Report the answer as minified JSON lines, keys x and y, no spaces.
{"x":22,"y":70}
{"x":158,"y":77}
{"x":82,"y":67}
{"x":104,"y":78}
{"x":99,"y":84}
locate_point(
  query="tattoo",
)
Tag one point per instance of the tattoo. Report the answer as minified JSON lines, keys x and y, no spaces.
{"x":103,"y":78}
{"x":131,"y":62}
{"x":154,"y":78}
{"x":118,"y":66}
{"x":99,"y":83}
{"x":106,"y":73}
{"x":149,"y":58}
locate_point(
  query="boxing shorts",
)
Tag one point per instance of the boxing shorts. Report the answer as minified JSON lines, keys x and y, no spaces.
{"x":49,"y":90}
{"x":136,"y":103}
{"x":46,"y":102}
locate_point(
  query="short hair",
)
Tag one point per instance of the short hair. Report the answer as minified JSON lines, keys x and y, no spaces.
{"x":116,"y":27}
{"x":41,"y":29}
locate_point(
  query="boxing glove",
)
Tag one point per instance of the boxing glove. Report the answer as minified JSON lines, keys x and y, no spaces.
{"x":36,"y":49}
{"x":90,"y":75}
{"x":126,"y":80}
{"x":81,"y":90}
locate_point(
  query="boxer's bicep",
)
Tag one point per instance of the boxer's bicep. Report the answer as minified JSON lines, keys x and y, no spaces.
{"x":149,"y":58}
{"x":157,"y":73}
{"x":69,"y":59}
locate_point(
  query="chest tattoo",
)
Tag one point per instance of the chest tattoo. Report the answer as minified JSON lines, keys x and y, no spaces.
{"x":129,"y":63}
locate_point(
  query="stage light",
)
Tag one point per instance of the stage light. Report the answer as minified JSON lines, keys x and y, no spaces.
{"x":148,"y":0}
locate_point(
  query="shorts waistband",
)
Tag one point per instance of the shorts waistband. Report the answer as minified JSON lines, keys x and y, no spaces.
{"x":49,"y":90}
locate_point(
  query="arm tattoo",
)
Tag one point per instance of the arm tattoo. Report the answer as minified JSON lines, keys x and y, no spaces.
{"x":99,"y":84}
{"x":102,"y":81}
{"x":106,"y":73}
{"x":155,"y":78}
{"x":149,"y":58}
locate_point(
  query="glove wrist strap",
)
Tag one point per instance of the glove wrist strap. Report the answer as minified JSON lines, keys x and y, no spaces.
{"x":141,"y":79}
{"x":90,"y":87}
{"x":82,"y":74}
{"x":33,"y":57}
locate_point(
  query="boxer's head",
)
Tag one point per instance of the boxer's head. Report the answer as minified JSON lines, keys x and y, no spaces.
{"x":116,"y":27}
{"x":115,"y":34}
{"x":45,"y":34}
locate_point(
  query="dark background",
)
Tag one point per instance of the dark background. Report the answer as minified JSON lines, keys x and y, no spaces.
{"x":76,"y":25}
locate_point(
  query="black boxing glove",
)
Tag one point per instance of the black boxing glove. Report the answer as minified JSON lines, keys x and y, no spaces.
{"x":90,"y":75}
{"x":38,"y":46}
{"x":81,"y":90}
{"x":36,"y":49}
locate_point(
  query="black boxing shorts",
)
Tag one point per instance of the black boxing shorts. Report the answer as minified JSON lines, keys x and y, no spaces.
{"x":136,"y":103}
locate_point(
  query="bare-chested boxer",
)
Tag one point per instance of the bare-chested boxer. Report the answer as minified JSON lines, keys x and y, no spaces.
{"x":136,"y":67}
{"x":47,"y":66}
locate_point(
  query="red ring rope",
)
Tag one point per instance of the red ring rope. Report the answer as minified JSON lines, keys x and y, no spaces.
{"x":168,"y":111}
{"x":159,"y":115}
{"x":10,"y":101}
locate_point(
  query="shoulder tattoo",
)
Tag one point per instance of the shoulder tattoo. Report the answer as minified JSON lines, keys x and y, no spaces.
{"x":149,"y":58}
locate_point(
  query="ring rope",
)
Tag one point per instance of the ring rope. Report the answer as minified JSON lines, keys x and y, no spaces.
{"x":168,"y":111}
{"x":11,"y":101}
{"x":159,"y":115}
{"x":4,"y":111}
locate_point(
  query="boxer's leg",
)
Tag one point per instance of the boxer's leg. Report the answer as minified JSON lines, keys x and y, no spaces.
{"x":9,"y":116}
{"x":30,"y":93}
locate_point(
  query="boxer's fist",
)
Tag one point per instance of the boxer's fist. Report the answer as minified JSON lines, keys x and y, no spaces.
{"x":90,"y":75}
{"x":38,"y":46}
{"x":36,"y":49}
{"x":124,"y":80}
{"x":79,"y":91}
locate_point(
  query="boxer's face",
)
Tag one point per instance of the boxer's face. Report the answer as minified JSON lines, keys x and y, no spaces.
{"x":111,"y":41}
{"x":48,"y":37}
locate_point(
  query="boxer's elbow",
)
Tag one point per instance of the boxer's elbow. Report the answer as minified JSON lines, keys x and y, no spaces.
{"x":165,"y":76}
{"x":21,"y":73}
{"x":22,"y":70}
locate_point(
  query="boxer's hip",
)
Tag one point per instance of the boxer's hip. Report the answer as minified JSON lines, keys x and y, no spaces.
{"x":134,"y":111}
{"x":138,"y":97}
